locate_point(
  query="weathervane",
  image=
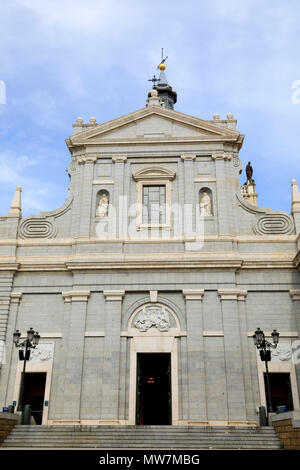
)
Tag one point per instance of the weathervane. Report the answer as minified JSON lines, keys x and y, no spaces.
{"x":161,"y":66}
{"x":162,"y":62}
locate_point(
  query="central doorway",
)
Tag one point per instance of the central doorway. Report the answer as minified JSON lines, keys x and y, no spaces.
{"x":34,"y":392}
{"x":153,"y":389}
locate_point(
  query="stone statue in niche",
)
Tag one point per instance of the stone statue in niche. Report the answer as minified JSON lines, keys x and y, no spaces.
{"x":205,"y":204}
{"x":102,"y":209}
{"x":153,"y":316}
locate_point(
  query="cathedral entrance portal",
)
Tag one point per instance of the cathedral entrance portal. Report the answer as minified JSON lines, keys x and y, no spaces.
{"x":153,"y":404}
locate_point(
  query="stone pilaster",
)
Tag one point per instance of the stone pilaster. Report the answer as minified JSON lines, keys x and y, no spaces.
{"x":86,"y":195}
{"x":111,"y":362}
{"x":222,"y":193}
{"x":295,"y":295}
{"x":73,"y":349}
{"x":249,"y":398}
{"x":7,"y":380}
{"x":119,"y":161}
{"x":233,"y":356}
{"x":188,"y":169}
{"x":195,"y":352}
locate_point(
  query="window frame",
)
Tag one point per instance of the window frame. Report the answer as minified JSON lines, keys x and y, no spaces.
{"x":153,"y":176}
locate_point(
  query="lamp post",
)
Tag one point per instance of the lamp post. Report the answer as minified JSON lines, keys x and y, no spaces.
{"x":264,"y":348}
{"x":29,"y":343}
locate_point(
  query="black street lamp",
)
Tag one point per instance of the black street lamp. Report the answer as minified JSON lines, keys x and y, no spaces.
{"x":29,"y":343}
{"x":264,"y":348}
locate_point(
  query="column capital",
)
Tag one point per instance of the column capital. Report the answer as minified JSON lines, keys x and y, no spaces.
{"x":87,"y":159}
{"x":295,"y":294}
{"x":188,"y":156}
{"x":76,"y":295}
{"x":114,"y":294}
{"x":119,"y":158}
{"x":232,"y":294}
{"x":15,"y":297}
{"x":193,"y":294}
{"x":221,"y":156}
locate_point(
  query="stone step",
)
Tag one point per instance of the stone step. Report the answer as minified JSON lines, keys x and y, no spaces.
{"x":142,"y":437}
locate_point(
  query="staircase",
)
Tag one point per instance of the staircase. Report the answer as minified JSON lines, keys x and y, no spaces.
{"x":142,"y":437}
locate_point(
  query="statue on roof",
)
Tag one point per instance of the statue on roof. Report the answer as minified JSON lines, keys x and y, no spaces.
{"x":249,"y":173}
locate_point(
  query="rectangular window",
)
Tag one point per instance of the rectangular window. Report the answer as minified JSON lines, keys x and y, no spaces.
{"x":154,"y":204}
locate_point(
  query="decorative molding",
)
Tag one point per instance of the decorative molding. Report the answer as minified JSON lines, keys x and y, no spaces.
{"x":103,"y":181}
{"x":154,"y":172}
{"x":213,"y":334}
{"x":188,"y":156}
{"x":94,"y":334}
{"x":156,"y":316}
{"x":114,"y":294}
{"x":232,"y":294}
{"x":119,"y":158}
{"x":37,"y":227}
{"x":221,"y":156}
{"x":193,"y":294}
{"x":76,"y":296}
{"x":270,"y":224}
{"x":15,"y":297}
{"x":204,"y":179}
{"x":236,"y":162}
{"x":295,"y":294}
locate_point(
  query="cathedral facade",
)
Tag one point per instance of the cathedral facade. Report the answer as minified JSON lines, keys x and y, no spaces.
{"x":147,"y":285}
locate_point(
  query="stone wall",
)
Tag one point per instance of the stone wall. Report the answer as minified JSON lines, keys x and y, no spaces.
{"x":287,"y":426}
{"x":7,"y":422}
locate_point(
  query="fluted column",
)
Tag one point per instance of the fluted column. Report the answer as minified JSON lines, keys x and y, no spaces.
{"x":233,"y":355}
{"x":111,"y":363}
{"x":195,"y":353}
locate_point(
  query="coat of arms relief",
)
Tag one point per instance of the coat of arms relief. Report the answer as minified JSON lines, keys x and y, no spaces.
{"x":156,"y":316}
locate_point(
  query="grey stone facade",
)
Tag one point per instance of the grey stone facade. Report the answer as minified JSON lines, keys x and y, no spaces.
{"x":80,"y":290}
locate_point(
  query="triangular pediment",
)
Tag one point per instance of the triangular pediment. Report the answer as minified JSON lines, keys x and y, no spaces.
{"x":153,"y":123}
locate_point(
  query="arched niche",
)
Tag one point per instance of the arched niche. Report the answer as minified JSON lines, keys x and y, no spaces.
{"x":206,"y":202}
{"x":102,"y":203}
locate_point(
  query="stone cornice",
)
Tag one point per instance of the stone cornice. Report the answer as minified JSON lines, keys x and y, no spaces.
{"x":76,"y":296}
{"x":15,"y":297}
{"x":188,"y":156}
{"x":114,"y":294}
{"x":193,"y":294}
{"x":295,"y":294}
{"x":232,"y":294}
{"x":221,"y":156}
{"x":119,"y":158}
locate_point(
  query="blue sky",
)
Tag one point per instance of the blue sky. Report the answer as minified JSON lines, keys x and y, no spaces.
{"x":64,"y":59}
